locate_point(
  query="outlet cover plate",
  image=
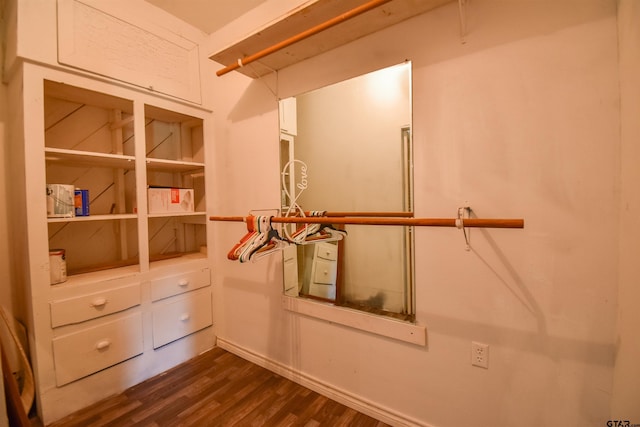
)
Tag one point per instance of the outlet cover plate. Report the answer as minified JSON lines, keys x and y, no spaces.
{"x":480,"y":354}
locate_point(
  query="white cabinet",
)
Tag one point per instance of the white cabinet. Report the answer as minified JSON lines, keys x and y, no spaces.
{"x":137,"y":299}
{"x":290,"y":271}
{"x":287,"y":170}
{"x":324,"y":270}
{"x":181,"y":304}
{"x":289,"y":116}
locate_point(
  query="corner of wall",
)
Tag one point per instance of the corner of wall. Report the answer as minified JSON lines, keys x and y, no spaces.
{"x":5,"y":291}
{"x":626,"y":381}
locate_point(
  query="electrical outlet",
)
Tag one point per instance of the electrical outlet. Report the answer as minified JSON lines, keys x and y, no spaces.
{"x":480,"y":354}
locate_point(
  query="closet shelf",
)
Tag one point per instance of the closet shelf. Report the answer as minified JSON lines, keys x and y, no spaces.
{"x":89,"y":158}
{"x":187,"y":217}
{"x":307,"y":16}
{"x":93,"y":218}
{"x":174,"y":165}
{"x":78,"y":278}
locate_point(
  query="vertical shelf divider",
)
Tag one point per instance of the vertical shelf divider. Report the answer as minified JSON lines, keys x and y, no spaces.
{"x":118,"y":180}
{"x":141,"y":184}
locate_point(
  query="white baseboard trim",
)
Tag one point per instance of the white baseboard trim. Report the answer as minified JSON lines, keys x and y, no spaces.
{"x":341,"y":396}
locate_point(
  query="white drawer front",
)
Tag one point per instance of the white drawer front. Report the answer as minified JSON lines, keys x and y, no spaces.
{"x":85,"y":307}
{"x":181,"y":316}
{"x":325,"y":272}
{"x":91,"y":350}
{"x":173,"y":285}
{"x":327,"y":251}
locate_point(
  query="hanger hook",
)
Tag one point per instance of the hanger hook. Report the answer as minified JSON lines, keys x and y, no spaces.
{"x":460,"y":224}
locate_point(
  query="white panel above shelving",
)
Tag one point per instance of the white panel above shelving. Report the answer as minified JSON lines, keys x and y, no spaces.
{"x":93,"y":40}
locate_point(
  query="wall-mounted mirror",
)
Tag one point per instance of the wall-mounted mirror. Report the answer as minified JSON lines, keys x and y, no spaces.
{"x":351,"y":143}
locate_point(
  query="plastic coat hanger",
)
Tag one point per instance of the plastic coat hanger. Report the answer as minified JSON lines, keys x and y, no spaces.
{"x":274,"y":243}
{"x":258,"y":228}
{"x":314,"y":233}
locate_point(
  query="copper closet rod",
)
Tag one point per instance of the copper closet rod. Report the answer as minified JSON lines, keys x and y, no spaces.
{"x":302,"y":35}
{"x":400,"y":214}
{"x":426,"y":222}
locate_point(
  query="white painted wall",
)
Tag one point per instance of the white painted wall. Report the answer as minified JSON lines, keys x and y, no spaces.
{"x":521,"y":121}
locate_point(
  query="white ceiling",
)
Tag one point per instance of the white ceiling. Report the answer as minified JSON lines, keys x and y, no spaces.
{"x":207,"y":15}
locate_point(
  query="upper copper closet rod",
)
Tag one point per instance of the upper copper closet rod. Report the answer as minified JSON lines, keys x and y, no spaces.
{"x":303,"y":35}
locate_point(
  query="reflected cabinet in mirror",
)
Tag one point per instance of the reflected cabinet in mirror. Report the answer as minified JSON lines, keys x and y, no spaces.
{"x":347,"y":148}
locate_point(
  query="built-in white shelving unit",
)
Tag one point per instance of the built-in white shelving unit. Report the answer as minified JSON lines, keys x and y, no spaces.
{"x":137,"y":298}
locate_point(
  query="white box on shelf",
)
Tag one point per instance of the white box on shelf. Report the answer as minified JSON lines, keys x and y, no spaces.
{"x":170,"y":200}
{"x":60,"y":201}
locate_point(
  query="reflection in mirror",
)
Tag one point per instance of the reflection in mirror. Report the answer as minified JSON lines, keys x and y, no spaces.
{"x":347,"y":148}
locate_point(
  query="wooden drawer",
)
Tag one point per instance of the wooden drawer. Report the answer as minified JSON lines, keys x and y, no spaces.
{"x":82,"y":353}
{"x":168,"y":286}
{"x":89,"y":306}
{"x":181,"y":316}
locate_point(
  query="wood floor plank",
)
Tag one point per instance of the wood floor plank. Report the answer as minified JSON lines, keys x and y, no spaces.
{"x":218,"y":389}
{"x":238,"y":411}
{"x":260,"y":414}
{"x":301,"y":406}
{"x":234,"y":407}
{"x":330,"y":412}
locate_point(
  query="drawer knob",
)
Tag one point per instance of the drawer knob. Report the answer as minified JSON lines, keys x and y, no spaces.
{"x":183,"y":283}
{"x":185,"y":317}
{"x":99,"y":302}
{"x":101,"y":345}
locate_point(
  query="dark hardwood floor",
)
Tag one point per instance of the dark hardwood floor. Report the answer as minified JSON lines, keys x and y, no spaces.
{"x":218,"y":388}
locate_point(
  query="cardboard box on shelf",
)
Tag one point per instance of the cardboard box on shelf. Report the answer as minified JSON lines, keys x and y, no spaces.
{"x":81,"y":200}
{"x":170,"y":200}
